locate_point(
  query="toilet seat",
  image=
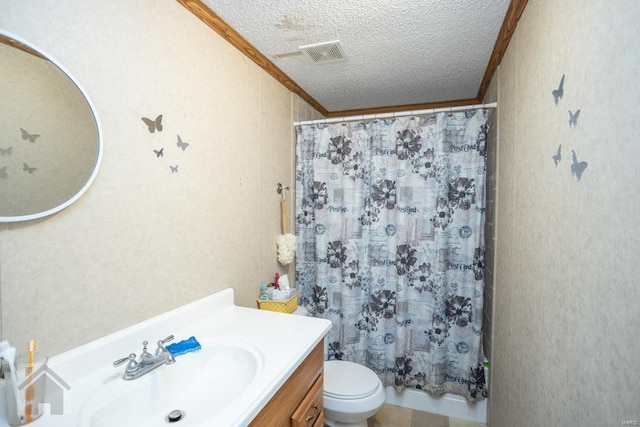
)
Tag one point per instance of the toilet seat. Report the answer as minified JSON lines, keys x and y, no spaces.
{"x":348,"y":381}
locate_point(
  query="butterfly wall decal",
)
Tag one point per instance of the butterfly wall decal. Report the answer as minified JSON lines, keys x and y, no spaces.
{"x":6,"y":151}
{"x":159,"y":153}
{"x":573,"y":118}
{"x":558,"y":156}
{"x":558,"y":93}
{"x":26,"y":135}
{"x":3,"y":172}
{"x":182,"y":145}
{"x":26,"y":168}
{"x":153,"y":125}
{"x":174,"y":169}
{"x":577,"y":167}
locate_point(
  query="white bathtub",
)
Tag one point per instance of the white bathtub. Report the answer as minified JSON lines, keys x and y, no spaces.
{"x":448,"y":405}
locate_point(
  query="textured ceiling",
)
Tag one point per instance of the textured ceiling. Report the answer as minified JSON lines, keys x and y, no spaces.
{"x":398,"y":52}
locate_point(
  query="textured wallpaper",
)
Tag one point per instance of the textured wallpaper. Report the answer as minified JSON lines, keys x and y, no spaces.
{"x":146,"y":238}
{"x":565,"y":347}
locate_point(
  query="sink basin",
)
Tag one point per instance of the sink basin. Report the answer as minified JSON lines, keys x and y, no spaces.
{"x":198,"y":384}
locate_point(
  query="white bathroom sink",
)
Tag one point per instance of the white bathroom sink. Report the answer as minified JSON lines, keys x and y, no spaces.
{"x":238,"y":370}
{"x":198,"y":384}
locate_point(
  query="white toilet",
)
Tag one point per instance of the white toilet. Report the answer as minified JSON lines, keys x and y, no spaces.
{"x":352,"y":392}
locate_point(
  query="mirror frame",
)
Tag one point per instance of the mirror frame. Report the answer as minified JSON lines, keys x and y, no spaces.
{"x":85,"y":187}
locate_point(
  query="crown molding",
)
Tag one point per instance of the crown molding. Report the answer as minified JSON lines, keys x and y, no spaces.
{"x":216,"y":23}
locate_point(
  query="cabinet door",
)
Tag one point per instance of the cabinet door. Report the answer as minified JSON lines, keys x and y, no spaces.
{"x":279,"y":410}
{"x":309,"y":413}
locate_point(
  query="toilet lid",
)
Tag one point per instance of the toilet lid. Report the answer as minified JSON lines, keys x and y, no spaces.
{"x":348,"y":380}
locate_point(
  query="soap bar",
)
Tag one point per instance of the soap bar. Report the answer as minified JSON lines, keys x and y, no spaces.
{"x":184,"y":346}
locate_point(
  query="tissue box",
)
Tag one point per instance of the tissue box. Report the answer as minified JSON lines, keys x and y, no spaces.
{"x":282,"y":306}
{"x":282,"y":294}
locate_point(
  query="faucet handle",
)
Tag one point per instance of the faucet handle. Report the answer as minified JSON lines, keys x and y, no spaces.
{"x":162,"y":351}
{"x":124,"y":359}
{"x":166,"y":340}
{"x":161,"y":344}
{"x":132,"y":366}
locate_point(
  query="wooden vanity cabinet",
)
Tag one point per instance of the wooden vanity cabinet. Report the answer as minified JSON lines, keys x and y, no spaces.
{"x":309,"y":412}
{"x":298,"y":403}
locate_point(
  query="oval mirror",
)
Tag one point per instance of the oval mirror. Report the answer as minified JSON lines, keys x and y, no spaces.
{"x":50,"y":142}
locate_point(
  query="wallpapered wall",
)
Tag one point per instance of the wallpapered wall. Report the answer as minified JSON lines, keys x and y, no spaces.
{"x":143,"y":240}
{"x":566,"y":298}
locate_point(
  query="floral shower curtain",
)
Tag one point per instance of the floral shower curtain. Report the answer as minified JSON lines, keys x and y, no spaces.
{"x":389,"y":219}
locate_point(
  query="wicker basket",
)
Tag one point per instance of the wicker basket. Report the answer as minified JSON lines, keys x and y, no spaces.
{"x":282,"y":306}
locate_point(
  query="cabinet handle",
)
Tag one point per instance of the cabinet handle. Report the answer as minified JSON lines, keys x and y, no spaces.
{"x":314,"y":416}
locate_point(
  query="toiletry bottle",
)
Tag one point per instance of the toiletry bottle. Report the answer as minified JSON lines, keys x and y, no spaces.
{"x":270,"y":289}
{"x":264,"y":295}
{"x":15,"y":396}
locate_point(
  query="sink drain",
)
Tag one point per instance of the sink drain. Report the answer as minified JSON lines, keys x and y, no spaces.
{"x":175,"y":416}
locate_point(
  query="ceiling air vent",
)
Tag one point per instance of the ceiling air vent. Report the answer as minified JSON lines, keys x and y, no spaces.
{"x":322,"y":53}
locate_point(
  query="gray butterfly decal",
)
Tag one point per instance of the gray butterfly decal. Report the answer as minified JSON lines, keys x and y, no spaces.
{"x":558,"y":93}
{"x":6,"y":151}
{"x":159,"y":153}
{"x":182,"y":145}
{"x":26,"y":135}
{"x":558,"y":156}
{"x":153,"y":125}
{"x":3,"y":172}
{"x":26,"y":168}
{"x":577,"y":167}
{"x":174,"y":169}
{"x":573,"y":118}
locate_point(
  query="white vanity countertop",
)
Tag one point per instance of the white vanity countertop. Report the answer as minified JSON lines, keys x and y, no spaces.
{"x":283,"y":340}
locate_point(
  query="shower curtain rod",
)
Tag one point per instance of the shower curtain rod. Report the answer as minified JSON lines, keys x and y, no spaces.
{"x":398,"y":114}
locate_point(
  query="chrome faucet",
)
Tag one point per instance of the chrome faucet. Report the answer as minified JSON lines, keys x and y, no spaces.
{"x":147,"y":362}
